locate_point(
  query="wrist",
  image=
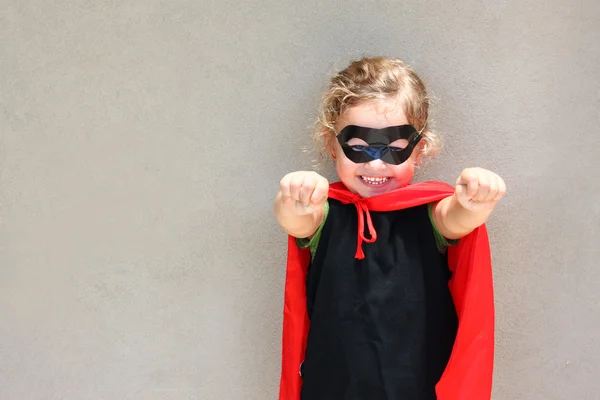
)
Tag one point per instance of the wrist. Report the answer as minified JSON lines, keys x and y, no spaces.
{"x":462,"y":220}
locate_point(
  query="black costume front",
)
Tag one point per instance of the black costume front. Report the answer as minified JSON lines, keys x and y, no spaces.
{"x":381,"y":328}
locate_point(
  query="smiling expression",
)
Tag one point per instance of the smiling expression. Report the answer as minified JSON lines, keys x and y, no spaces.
{"x":373,"y":177}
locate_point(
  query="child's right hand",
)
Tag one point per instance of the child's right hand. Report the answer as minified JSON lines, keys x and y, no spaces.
{"x":303,"y":192}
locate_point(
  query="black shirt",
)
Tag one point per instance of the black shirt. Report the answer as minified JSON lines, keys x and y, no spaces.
{"x":381,"y":328}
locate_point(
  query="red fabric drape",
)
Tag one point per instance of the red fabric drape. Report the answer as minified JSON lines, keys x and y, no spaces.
{"x":468,"y":375}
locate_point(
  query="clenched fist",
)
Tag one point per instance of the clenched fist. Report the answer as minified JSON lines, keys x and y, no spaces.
{"x":303,"y":191}
{"x":479,"y":189}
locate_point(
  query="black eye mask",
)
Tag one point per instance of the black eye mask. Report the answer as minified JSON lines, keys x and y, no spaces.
{"x":378,"y":141}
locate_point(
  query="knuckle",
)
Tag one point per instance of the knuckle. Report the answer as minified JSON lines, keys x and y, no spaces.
{"x":295,"y":182}
{"x":309,"y":182}
{"x":288,"y":201}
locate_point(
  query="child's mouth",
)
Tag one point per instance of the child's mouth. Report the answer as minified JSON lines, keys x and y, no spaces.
{"x":374,"y":181}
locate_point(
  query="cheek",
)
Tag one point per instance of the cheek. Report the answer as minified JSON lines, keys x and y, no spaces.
{"x":404,"y":172}
{"x":342,"y":163}
{"x":344,"y":166}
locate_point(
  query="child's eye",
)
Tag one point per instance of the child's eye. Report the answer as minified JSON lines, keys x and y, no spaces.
{"x":398,"y":145}
{"x":358,"y":147}
{"x":356,"y":142}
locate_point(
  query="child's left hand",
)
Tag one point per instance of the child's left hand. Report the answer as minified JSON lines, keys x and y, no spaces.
{"x":478,"y":189}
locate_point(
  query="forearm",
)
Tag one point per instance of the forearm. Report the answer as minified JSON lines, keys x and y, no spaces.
{"x":454,"y":221}
{"x":297,"y":225}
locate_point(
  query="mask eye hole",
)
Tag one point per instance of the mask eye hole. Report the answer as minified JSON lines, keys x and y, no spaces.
{"x":356,"y":142}
{"x":398,"y":145}
{"x":358,"y":147}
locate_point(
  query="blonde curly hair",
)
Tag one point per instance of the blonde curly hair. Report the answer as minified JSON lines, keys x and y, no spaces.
{"x":375,"y":79}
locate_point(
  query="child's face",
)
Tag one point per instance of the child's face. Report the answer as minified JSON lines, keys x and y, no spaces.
{"x":359,"y":178}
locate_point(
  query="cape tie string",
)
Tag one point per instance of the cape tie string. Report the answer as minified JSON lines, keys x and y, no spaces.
{"x":362,"y":210}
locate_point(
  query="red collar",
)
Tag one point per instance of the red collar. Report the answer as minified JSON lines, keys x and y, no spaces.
{"x":406,"y":197}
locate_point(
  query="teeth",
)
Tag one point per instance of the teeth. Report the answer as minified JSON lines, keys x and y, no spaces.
{"x":374,"y":181}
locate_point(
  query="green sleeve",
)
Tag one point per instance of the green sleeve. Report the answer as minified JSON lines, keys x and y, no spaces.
{"x":441,"y":242}
{"x":313,"y":242}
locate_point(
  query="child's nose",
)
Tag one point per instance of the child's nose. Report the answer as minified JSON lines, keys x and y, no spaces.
{"x":375,"y":165}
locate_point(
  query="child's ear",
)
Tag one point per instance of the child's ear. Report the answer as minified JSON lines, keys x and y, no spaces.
{"x":420,"y":151}
{"x":330,"y":145}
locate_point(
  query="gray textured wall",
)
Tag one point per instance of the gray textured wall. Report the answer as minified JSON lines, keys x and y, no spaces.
{"x":142,"y":143}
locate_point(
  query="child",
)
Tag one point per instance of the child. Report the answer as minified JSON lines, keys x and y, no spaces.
{"x":388,"y":288}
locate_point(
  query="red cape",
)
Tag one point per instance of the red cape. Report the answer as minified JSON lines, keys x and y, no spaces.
{"x":468,"y":375}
